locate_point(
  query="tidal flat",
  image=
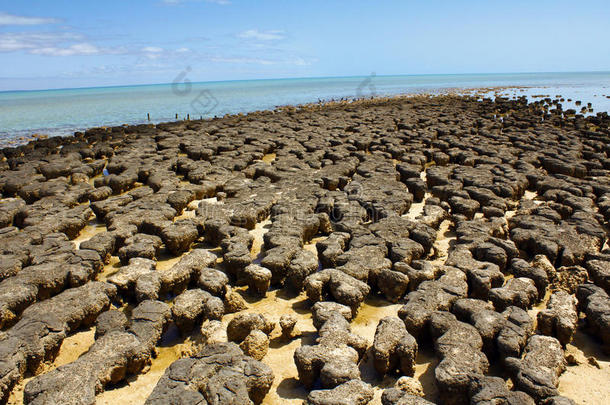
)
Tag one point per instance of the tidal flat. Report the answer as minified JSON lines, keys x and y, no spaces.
{"x":448,"y":249}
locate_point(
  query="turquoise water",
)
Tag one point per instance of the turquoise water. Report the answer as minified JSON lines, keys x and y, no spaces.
{"x":61,"y":112}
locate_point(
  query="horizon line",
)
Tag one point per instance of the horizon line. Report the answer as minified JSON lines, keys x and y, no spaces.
{"x":297,"y":78}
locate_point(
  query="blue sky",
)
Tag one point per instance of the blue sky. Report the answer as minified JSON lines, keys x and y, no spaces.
{"x":55,"y":44}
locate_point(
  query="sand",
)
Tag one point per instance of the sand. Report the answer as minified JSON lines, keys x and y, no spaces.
{"x":586,"y":383}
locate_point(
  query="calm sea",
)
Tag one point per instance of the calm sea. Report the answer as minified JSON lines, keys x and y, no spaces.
{"x":61,"y":112}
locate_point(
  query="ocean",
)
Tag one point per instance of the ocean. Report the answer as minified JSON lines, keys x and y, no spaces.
{"x":61,"y":112}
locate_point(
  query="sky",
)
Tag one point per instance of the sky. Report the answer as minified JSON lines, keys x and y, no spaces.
{"x":58,"y":44}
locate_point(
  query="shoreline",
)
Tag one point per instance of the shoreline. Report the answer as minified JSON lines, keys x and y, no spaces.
{"x":23,"y":135}
{"x":461,"y":219}
{"x":484,"y":91}
{"x":316,"y":78}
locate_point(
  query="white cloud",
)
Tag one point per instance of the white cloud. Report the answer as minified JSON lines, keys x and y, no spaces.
{"x":11,"y":19}
{"x":150,"y":53}
{"x":52,"y":44}
{"x":301,"y":62}
{"x":255,"y":61}
{"x":176,"y":2}
{"x":296,"y":61}
{"x":72,"y":50}
{"x":262,"y":35}
{"x":152,"y":49}
{"x":27,"y":41}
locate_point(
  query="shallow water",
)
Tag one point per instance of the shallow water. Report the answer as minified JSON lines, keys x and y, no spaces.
{"x":61,"y":112}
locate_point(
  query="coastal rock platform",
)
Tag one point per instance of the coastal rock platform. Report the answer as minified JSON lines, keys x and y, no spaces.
{"x":411,"y":250}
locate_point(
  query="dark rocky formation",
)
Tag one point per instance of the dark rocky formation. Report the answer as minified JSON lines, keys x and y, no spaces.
{"x":394,"y":348}
{"x":489,"y":390}
{"x":560,"y":317}
{"x":140,"y":245}
{"x":599,"y":273}
{"x":243,"y":324}
{"x":288,"y":325}
{"x":190,"y":268}
{"x":112,"y":357}
{"x":338,"y":285}
{"x":520,"y":292}
{"x":213,"y":281}
{"x":521,"y":268}
{"x":322,"y":311}
{"x":43,"y":326}
{"x":220,"y":373}
{"x":393,"y":396}
{"x":54,"y":265}
{"x":192,"y":306}
{"x":595,"y":303}
{"x":537,"y":372}
{"x":127,"y":277}
{"x":302,"y":265}
{"x":258,"y":278}
{"x":406,"y":391}
{"x":334,"y":360}
{"x":432,"y":296}
{"x":355,"y":392}
{"x":459,"y":346}
{"x":110,"y":321}
{"x":504,"y":334}
{"x":520,"y":189}
{"x":256,"y":344}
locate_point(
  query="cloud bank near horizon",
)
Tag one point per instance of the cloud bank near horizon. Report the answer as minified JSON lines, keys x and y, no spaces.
{"x":151,"y":41}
